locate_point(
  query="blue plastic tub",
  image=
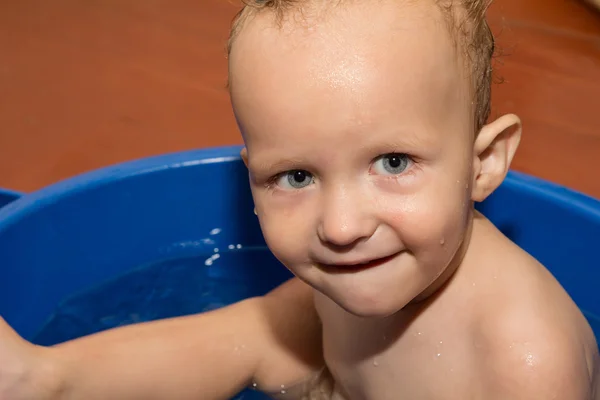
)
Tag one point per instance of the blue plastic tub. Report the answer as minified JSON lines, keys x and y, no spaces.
{"x":176,"y":234}
{"x":8,"y":196}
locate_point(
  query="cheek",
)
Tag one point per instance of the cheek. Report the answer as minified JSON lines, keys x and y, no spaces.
{"x":433,"y":224}
{"x":287,"y":234}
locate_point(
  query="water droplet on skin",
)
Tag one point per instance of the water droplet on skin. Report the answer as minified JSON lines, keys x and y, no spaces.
{"x":439,"y":354}
{"x":442,"y":241}
{"x":441,"y":342}
{"x":215,"y":231}
{"x":375,"y":363}
{"x":254,"y":385}
{"x":529,"y":359}
{"x":282,"y":391}
{"x":473,"y":283}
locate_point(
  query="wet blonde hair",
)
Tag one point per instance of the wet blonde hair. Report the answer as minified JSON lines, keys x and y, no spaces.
{"x":466,"y":20}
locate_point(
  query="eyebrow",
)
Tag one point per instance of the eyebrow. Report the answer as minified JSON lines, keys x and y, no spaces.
{"x":273,"y":166}
{"x":400,"y":144}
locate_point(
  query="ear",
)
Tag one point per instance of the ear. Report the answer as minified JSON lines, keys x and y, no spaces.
{"x":494,"y":149}
{"x":244,"y":155}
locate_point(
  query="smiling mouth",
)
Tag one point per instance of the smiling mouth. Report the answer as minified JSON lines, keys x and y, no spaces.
{"x":358,"y":266}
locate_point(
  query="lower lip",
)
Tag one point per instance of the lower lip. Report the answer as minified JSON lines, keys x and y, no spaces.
{"x":357,"y":267}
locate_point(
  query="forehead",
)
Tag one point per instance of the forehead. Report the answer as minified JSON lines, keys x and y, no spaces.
{"x":338,"y":68}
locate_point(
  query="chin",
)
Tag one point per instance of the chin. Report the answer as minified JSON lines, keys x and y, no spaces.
{"x":380,"y":307}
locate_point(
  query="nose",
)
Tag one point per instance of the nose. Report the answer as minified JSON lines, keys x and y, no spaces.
{"x":346,"y":217}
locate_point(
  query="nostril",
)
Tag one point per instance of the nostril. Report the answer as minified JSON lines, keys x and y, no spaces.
{"x":341,"y":234}
{"x":341,"y":247}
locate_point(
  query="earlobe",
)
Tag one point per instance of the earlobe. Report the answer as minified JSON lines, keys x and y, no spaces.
{"x":244,"y":155}
{"x":494,"y":150}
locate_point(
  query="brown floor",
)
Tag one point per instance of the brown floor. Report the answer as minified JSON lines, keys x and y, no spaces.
{"x":85,"y":84}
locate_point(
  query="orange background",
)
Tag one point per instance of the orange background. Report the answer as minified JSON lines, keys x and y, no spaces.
{"x":85,"y":84}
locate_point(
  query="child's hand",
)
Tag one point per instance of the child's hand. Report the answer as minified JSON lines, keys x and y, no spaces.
{"x":21,"y":365}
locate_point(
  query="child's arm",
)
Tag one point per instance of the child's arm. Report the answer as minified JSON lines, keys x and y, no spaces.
{"x":206,"y":356}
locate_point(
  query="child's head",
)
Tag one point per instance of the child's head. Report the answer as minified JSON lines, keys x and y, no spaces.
{"x":465,"y":21}
{"x":364,"y":127}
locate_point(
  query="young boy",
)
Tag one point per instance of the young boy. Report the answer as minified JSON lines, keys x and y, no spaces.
{"x":367,"y":143}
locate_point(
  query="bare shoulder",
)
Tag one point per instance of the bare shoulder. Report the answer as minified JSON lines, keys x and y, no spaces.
{"x":292,"y":341}
{"x":549,"y":366}
{"x":534,"y":342}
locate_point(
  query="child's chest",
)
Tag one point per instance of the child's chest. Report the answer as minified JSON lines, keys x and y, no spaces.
{"x":420,"y":360}
{"x":420,"y":368}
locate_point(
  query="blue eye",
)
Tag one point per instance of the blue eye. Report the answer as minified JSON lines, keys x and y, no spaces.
{"x":296,"y":179}
{"x":392,"y":164}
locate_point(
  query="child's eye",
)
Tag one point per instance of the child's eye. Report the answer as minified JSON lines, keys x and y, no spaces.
{"x":391,"y":164}
{"x":295,"y":179}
